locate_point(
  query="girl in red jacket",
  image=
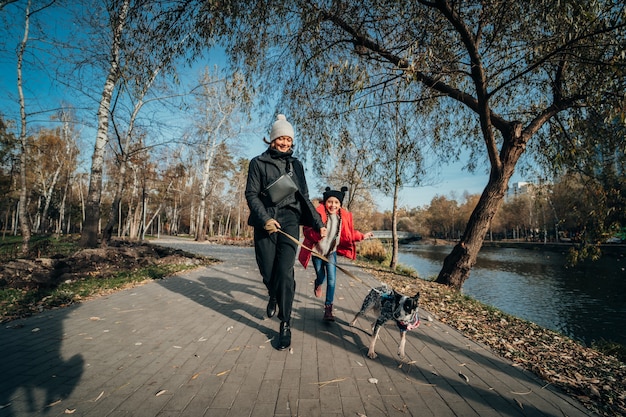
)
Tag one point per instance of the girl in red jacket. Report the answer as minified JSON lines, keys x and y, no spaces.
{"x":340,"y":239}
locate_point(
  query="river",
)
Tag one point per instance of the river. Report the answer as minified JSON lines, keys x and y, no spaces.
{"x":586,"y":303}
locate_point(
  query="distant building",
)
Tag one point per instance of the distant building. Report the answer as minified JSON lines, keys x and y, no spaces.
{"x":518,"y":189}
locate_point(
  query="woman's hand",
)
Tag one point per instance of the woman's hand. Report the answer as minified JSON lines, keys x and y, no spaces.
{"x":271,"y":226}
{"x":323,"y":232}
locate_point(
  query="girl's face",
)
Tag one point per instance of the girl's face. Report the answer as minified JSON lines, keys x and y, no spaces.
{"x":282,"y":143}
{"x":332,"y":205}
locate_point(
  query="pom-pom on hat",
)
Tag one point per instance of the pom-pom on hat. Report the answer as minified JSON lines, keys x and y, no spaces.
{"x":281,"y":127}
{"x":339,"y":195}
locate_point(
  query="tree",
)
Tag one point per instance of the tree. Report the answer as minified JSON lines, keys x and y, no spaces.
{"x":23,"y":137}
{"x":495,"y":72}
{"x":144,"y":38}
{"x":218,"y":104}
{"x":118,"y":19}
{"x":399,"y":160}
{"x":8,"y":145}
{"x":590,"y":155}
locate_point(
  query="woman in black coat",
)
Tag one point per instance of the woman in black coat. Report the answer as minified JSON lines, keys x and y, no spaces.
{"x":276,"y":253}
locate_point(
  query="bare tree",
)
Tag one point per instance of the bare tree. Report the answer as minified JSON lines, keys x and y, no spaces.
{"x":218,"y":103}
{"x":118,"y":19}
{"x":23,"y":136}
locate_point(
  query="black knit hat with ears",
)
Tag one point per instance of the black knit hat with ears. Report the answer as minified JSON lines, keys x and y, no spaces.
{"x":339,"y":195}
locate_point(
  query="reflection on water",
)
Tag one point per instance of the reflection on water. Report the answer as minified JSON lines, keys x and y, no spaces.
{"x":586,"y":303}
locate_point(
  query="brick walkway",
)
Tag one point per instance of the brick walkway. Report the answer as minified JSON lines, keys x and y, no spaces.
{"x":198,"y":344}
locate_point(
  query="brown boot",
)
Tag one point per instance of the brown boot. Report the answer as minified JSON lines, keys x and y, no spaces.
{"x":328,"y":312}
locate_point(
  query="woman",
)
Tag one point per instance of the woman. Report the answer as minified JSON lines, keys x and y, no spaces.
{"x":341,"y":239}
{"x":275,"y":252}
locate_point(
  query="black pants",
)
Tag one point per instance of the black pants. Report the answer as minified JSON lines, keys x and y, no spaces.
{"x":275,"y":256}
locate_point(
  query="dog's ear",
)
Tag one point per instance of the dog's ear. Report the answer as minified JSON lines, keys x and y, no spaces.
{"x":416,"y":296}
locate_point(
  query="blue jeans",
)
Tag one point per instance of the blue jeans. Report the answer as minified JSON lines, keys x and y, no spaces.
{"x":326,"y":272}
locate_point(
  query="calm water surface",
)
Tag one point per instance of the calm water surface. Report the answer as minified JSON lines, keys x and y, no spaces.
{"x":585,"y":303}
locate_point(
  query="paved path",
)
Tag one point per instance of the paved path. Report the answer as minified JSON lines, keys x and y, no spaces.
{"x":199,"y":344}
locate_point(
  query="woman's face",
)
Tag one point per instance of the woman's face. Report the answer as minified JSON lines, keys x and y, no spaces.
{"x":332,"y":205}
{"x":282,"y":143}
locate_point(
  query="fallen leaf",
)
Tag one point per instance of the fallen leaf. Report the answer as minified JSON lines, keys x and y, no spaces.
{"x":223,"y":372}
{"x":70,"y":411}
{"x":163,"y":391}
{"x":465,"y":377}
{"x":372,"y":381}
{"x":99,"y":396}
{"x":522,"y":393}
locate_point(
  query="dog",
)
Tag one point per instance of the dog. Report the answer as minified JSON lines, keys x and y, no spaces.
{"x":390,"y":305}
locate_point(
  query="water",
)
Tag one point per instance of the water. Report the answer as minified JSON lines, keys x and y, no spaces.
{"x":587,"y":303}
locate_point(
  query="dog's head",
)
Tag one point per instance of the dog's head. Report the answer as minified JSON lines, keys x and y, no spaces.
{"x":406,"y":312}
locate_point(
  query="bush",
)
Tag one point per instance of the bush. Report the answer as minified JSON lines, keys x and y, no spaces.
{"x":373,"y":250}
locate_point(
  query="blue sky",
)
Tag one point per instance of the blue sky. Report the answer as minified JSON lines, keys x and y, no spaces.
{"x":43,"y":92}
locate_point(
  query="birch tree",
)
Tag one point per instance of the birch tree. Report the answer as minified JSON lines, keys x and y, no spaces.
{"x":118,"y":19}
{"x":218,"y":102}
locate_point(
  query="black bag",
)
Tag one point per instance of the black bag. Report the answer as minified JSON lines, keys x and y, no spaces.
{"x":280,"y":189}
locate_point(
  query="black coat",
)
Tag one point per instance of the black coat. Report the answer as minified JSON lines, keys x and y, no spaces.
{"x":262,"y":171}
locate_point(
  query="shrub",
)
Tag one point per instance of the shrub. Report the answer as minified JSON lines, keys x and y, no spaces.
{"x":373,"y":250}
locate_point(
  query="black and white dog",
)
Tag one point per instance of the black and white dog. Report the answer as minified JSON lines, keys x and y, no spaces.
{"x":390,"y":305}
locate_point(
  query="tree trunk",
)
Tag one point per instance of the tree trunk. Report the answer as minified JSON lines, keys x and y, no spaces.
{"x":394,"y":229}
{"x":23,"y":216}
{"x":89,"y":236}
{"x":107,"y":232}
{"x":458,"y":264}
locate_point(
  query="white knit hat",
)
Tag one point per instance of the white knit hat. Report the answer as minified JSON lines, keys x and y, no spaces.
{"x":281,"y":127}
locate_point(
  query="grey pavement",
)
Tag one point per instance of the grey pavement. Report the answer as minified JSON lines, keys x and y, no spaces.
{"x":199,"y":344}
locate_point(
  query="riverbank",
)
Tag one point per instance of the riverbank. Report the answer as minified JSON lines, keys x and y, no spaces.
{"x":606,"y":249}
{"x":596,"y":379}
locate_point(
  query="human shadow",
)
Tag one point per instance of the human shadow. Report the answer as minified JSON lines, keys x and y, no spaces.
{"x":34,"y":374}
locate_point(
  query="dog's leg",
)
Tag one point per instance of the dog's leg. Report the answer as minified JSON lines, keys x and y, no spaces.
{"x":401,"y":345}
{"x":371,"y":353}
{"x":368,"y":303}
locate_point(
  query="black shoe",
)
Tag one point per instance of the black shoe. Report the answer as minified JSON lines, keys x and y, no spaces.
{"x":271,"y":307}
{"x":284,"y":338}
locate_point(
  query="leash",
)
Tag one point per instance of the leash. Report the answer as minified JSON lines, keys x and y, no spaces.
{"x":322,"y":257}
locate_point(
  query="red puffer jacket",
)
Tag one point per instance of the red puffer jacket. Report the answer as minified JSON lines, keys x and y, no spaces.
{"x":347,"y":238}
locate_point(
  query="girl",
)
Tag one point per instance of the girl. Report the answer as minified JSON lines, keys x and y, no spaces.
{"x":340,"y":239}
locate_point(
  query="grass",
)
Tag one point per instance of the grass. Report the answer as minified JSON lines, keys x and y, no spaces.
{"x":17,"y":303}
{"x":39,"y":245}
{"x":20,"y":302}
